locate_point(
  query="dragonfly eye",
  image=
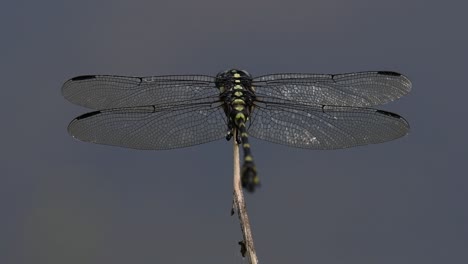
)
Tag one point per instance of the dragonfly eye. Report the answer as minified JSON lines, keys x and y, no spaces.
{"x":220,"y":74}
{"x":221,"y":77}
{"x":246,"y":73}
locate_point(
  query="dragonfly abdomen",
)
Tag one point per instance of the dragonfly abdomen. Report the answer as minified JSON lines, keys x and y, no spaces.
{"x":249,"y":176}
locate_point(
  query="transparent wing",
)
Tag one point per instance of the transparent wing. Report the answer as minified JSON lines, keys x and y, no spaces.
{"x":360,"y":89}
{"x":151,"y":127}
{"x":105,"y":91}
{"x":328,"y":127}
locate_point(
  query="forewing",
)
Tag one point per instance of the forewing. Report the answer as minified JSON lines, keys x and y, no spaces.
{"x":328,"y":127}
{"x":106,"y":91}
{"x":359,"y":89}
{"x":151,"y":127}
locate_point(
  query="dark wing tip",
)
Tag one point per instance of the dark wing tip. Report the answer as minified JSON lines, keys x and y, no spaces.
{"x":389,"y":114}
{"x":70,"y":86}
{"x":83,"y":116}
{"x":389,"y":73}
{"x":83,"y":77}
{"x":405,"y":81}
{"x":395,"y":116}
{"x":77,"y":119}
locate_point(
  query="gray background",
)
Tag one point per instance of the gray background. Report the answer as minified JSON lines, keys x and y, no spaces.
{"x":64,"y":201}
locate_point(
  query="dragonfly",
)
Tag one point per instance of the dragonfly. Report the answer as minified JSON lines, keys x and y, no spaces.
{"x":302,"y":110}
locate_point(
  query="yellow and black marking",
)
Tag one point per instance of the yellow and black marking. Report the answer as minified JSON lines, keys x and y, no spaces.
{"x":238,"y":95}
{"x":249,"y":174}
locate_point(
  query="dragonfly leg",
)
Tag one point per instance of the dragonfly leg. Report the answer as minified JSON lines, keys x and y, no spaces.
{"x":238,"y":139}
{"x":228,"y":135}
{"x":229,"y":132}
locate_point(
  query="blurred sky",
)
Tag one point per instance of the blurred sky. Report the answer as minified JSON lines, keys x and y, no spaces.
{"x":64,"y":201}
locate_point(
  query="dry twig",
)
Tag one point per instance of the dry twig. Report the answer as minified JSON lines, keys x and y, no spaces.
{"x":247,"y":245}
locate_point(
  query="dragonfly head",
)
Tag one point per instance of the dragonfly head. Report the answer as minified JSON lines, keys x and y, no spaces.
{"x":224,"y":78}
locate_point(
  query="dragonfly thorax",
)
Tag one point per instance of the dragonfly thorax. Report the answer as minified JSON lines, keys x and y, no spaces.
{"x":237,"y":95}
